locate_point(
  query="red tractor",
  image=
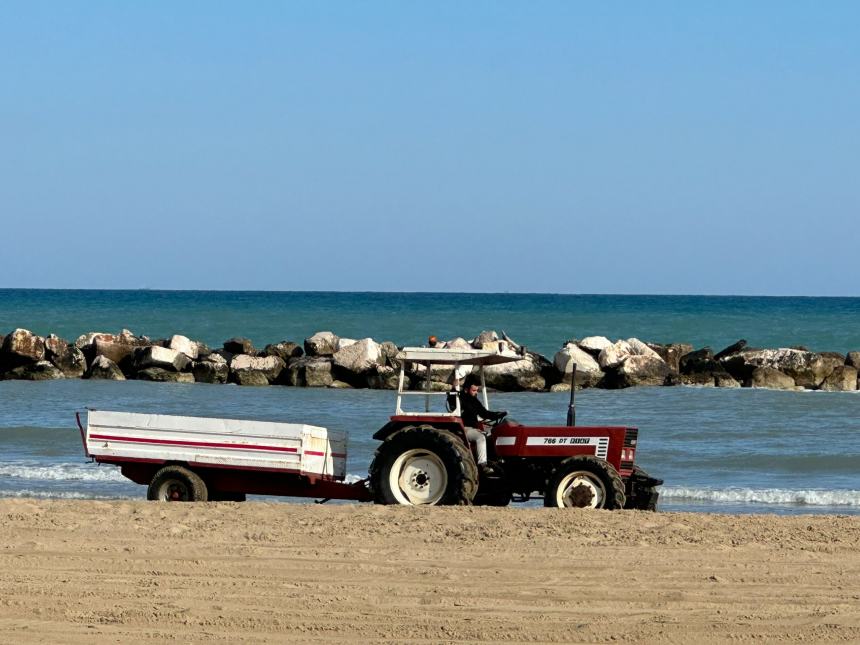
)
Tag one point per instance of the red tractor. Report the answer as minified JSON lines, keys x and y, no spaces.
{"x":425,"y":457}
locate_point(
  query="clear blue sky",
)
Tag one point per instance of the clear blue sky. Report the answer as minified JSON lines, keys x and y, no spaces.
{"x":610,"y":147}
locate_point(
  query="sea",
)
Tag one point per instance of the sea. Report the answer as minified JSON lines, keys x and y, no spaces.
{"x":718,"y":450}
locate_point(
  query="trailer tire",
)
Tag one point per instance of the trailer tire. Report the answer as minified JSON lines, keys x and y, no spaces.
{"x":642,"y":491}
{"x":177,"y":484}
{"x":423,"y":465}
{"x":585,"y":482}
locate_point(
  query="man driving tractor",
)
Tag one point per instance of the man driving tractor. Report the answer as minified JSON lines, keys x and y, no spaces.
{"x":473,"y":412}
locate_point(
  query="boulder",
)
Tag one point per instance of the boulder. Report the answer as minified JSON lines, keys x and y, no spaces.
{"x":161,"y":375}
{"x":104,"y":369}
{"x":613,"y":355}
{"x":389,"y":352}
{"x":119,"y":348}
{"x":588,"y":372}
{"x":254,"y":370}
{"x":560,"y":387}
{"x":701,"y":379}
{"x":642,"y":369}
{"x":285,"y":350}
{"x":84,"y":341}
{"x":672,"y":353}
{"x":322,"y":343}
{"x":71,"y":362}
{"x":808,"y":369}
{"x":20,"y":348}
{"x":524,"y":374}
{"x":239,"y":345}
{"x":853,"y":359}
{"x":359,"y":356}
{"x":639,"y":348}
{"x":340,"y":385}
{"x":344,"y":342}
{"x":385,"y":378}
{"x":54,"y":346}
{"x":161,"y":357}
{"x":308,"y":371}
{"x":700,"y":361}
{"x":594,"y":344}
{"x":458,"y":343}
{"x":725,"y":379}
{"x":732,"y":349}
{"x":210,"y":371}
{"x":38,"y":371}
{"x":185,"y":345}
{"x":842,"y":379}
{"x":485,"y":338}
{"x":772,"y":378}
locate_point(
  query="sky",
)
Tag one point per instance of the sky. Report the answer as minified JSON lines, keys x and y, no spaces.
{"x":561,"y":147}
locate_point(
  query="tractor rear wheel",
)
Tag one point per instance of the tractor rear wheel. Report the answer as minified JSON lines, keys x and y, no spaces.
{"x":585,"y":482}
{"x":423,"y":465}
{"x":177,"y":484}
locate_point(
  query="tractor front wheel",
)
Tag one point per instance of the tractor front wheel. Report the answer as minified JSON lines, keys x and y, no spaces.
{"x":423,"y":466}
{"x":585,"y":482}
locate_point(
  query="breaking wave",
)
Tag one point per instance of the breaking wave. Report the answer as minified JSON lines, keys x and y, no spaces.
{"x":764,"y":496}
{"x":61,"y":472}
{"x":59,"y":494}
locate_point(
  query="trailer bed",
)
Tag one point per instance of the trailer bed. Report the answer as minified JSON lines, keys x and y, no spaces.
{"x":129,"y":437}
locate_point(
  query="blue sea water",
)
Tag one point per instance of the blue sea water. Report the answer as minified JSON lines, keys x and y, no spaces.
{"x":718,"y":449}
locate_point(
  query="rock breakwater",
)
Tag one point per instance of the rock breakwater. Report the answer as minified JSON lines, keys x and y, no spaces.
{"x":326,"y":360}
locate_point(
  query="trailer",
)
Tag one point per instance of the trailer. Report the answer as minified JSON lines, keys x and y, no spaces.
{"x":183,"y":458}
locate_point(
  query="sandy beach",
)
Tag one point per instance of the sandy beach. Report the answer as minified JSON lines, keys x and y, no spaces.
{"x":92,"y":571}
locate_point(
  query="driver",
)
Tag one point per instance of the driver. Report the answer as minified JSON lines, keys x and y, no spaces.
{"x":473,"y":412}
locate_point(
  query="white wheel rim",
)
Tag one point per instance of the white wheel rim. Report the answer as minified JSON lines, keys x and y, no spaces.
{"x":574,"y":488}
{"x":418,"y":477}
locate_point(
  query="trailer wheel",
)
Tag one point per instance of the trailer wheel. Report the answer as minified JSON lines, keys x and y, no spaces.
{"x":177,"y":484}
{"x":585,"y":482}
{"x":423,"y":465}
{"x":642,"y":491}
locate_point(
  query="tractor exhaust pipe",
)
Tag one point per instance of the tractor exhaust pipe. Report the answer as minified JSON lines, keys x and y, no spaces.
{"x":571,"y":408}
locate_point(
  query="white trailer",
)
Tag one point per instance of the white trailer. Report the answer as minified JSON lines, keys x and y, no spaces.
{"x":196,"y":458}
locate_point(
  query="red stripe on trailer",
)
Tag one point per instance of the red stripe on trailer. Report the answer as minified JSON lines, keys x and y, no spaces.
{"x":196,"y":444}
{"x":317,"y":453}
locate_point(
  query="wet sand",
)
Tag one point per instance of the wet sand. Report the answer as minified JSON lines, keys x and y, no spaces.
{"x":90,"y":571}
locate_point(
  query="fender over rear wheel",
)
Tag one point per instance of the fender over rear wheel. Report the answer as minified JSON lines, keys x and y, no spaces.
{"x":177,"y":484}
{"x":423,"y":466}
{"x":585,"y":482}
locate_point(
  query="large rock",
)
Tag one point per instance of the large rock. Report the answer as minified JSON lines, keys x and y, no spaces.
{"x":613,"y":355}
{"x":385,"y":378}
{"x":255,"y":370}
{"x":772,"y":378}
{"x":120,"y":348}
{"x":725,"y":379}
{"x":285,"y":350}
{"x":389,"y":351}
{"x":161,"y":357}
{"x":213,"y":369}
{"x":239,"y":345}
{"x":642,"y":369}
{"x":344,"y":342}
{"x":20,"y":348}
{"x":322,"y":343}
{"x":594,"y":344}
{"x":732,"y":349}
{"x":808,"y":369}
{"x":71,"y":362}
{"x":161,"y":375}
{"x":38,"y":371}
{"x":309,"y":371}
{"x":842,"y":379}
{"x":524,"y":374}
{"x":588,"y":372}
{"x":104,"y":369}
{"x":359,"y":357}
{"x":672,"y":353}
{"x":485,"y":339}
{"x":853,"y":359}
{"x":185,"y":345}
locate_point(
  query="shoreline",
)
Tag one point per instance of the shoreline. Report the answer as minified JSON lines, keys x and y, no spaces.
{"x":87,"y":571}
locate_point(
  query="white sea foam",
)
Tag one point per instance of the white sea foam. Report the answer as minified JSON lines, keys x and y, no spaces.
{"x":764,"y":496}
{"x":61,"y":472}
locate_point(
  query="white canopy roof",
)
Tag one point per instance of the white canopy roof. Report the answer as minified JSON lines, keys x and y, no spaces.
{"x":441,"y":356}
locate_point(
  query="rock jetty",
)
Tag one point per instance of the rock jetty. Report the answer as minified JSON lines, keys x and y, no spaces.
{"x":327,"y":360}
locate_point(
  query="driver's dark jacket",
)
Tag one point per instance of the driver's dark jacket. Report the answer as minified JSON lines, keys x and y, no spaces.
{"x":471,"y":411}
